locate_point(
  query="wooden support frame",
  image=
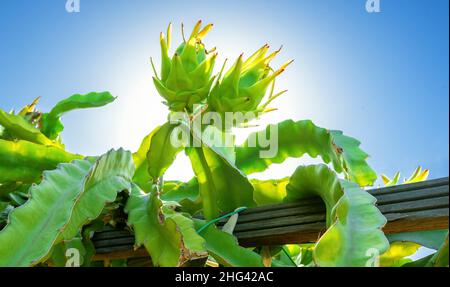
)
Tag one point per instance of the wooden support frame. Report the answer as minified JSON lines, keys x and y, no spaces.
{"x":412,"y":207}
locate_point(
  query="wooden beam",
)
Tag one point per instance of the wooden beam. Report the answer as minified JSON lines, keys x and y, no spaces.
{"x":121,"y":254}
{"x":412,"y":207}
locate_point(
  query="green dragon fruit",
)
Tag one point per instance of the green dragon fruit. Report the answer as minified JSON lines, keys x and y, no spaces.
{"x":244,"y":86}
{"x":185,"y":79}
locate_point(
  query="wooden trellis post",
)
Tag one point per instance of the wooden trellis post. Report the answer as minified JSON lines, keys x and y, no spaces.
{"x":412,"y":207}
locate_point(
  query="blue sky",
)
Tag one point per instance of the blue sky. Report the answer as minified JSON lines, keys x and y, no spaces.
{"x":381,"y":77}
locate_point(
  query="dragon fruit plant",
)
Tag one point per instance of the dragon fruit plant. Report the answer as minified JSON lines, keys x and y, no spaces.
{"x":186,"y":78}
{"x":52,"y":200}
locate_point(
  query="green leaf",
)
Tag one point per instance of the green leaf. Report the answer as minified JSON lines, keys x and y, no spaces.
{"x":422,"y":262}
{"x":354,"y":236}
{"x":271,"y":191}
{"x":440,"y":258}
{"x":5,"y":210}
{"x":58,"y":255}
{"x":51,"y":122}
{"x":40,"y":223}
{"x":186,"y":194}
{"x":432,"y":239}
{"x":3,"y":206}
{"x":168,"y":236}
{"x":296,"y":139}
{"x":397,"y":254}
{"x":34,"y":227}
{"x":109,"y":175}
{"x":17,"y":199}
{"x":141,"y":176}
{"x":87,"y":233}
{"x":16,"y":188}
{"x":354,"y":159}
{"x":225,"y":248}
{"x":297,"y":254}
{"x":21,"y":129}
{"x":162,"y":152}
{"x":285,"y":257}
{"x":223,"y":187}
{"x":25,"y":161}
{"x":305,"y":257}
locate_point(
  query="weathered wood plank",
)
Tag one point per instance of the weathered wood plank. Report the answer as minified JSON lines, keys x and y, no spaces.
{"x":419,"y":224}
{"x":417,"y":215}
{"x":115,"y":248}
{"x":422,"y":204}
{"x":436,"y":197}
{"x":413,"y":207}
{"x":408,"y":187}
{"x":283,"y":211}
{"x":115,"y":241}
{"x":302,"y":233}
{"x":397,"y":194}
{"x":411,"y":195}
{"x":111,"y":233}
{"x":280,"y":222}
{"x":275,"y":207}
{"x":282,"y":235}
{"x":409,"y":204}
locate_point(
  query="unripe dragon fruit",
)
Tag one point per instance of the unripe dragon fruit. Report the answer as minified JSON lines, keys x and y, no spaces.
{"x":185,"y":79}
{"x":244,"y":86}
